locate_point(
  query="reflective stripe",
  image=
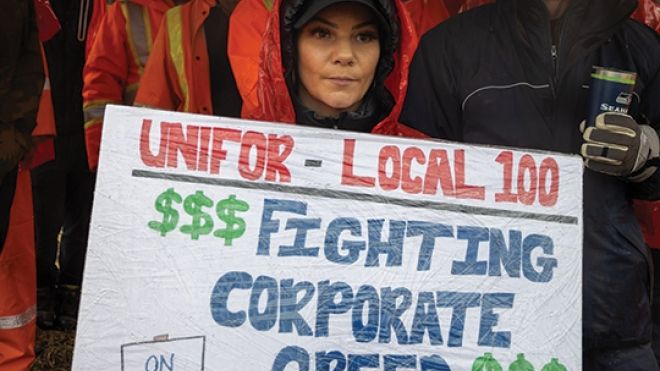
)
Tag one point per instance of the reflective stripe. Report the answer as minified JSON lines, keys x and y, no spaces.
{"x":175,"y":38}
{"x":94,"y":112}
{"x":268,"y":4}
{"x":137,"y":17}
{"x":501,"y":87}
{"x":19,"y":320}
{"x":137,"y":32}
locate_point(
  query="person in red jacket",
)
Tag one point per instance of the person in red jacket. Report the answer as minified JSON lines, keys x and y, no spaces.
{"x":116,"y":62}
{"x":426,"y":14}
{"x":205,"y":58}
{"x":323,"y":72}
{"x":648,"y":12}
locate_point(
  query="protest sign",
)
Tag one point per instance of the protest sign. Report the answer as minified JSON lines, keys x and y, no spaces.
{"x":265,"y":246}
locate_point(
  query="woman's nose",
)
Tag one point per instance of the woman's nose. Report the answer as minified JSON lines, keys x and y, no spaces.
{"x":344,"y":54}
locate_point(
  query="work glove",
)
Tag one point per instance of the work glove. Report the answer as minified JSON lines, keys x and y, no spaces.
{"x":616,"y":145}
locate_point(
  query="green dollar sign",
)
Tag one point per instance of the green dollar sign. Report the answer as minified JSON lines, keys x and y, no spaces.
{"x":170,"y":216}
{"x":554,"y":365}
{"x":193,"y":206}
{"x":486,"y":363}
{"x":521,"y":364}
{"x":226,"y":210}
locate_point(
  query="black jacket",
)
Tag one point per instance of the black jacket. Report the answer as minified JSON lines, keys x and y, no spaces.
{"x":489,"y":76}
{"x":65,"y":53}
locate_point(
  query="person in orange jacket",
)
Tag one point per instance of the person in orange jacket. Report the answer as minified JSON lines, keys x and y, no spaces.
{"x":21,"y":83}
{"x":116,"y":62}
{"x":295,"y":88}
{"x":205,"y":58}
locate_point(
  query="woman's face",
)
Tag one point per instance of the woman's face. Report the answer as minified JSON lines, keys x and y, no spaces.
{"x":338,"y":52}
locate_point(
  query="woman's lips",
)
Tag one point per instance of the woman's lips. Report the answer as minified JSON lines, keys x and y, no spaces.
{"x":342,"y":80}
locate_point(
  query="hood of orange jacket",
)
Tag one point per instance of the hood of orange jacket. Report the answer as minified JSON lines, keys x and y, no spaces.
{"x":275,"y":100}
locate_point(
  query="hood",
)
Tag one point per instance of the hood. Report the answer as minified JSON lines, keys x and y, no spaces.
{"x":585,"y":26}
{"x":275,"y":102}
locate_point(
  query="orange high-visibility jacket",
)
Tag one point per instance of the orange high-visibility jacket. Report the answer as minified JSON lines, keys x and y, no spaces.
{"x":116,"y":62}
{"x":18,"y":281}
{"x":177,"y":76}
{"x":426,"y":14}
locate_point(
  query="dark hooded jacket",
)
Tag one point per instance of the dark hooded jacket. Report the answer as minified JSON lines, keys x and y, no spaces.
{"x":384,"y":100}
{"x":492,"y":76}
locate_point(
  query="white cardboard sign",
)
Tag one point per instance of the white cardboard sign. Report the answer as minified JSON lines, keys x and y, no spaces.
{"x":260,"y":246}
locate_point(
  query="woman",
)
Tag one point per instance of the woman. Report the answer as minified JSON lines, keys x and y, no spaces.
{"x":335,"y":64}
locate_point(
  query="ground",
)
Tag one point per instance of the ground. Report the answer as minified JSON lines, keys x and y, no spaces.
{"x":54,"y":350}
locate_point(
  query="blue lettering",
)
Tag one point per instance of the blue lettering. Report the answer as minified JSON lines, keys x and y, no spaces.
{"x":324,"y":361}
{"x":148,"y":363}
{"x":393,"y":362}
{"x":229,"y":281}
{"x":547,"y":264}
{"x":489,"y":319}
{"x":429,"y":231}
{"x":433,"y":363}
{"x":393,"y":247}
{"x":327,"y":305}
{"x":356,"y":362}
{"x":266,"y":320}
{"x":459,"y":302}
{"x":289,"y":306}
{"x":366,"y":295}
{"x":301,"y":226}
{"x":510,"y":258}
{"x":390,"y":314}
{"x":425,"y":319}
{"x":270,"y":225}
{"x":291,"y":354}
{"x":474,"y":235}
{"x":333,"y":232}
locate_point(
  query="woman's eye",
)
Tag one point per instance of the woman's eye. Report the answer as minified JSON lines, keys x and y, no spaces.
{"x":320,"y":33}
{"x":365,"y":37}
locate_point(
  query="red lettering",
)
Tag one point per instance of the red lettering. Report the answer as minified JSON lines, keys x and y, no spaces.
{"x":527,"y":165}
{"x":148,"y":158}
{"x":409,"y":184}
{"x":203,"y":158}
{"x":276,"y":157}
{"x":257,"y":140}
{"x":347,"y":176}
{"x":549,"y":198}
{"x":439,"y":170}
{"x":218,"y":154}
{"x":464,"y":190}
{"x":387,"y":153}
{"x":506,"y":159}
{"x":186,"y":145}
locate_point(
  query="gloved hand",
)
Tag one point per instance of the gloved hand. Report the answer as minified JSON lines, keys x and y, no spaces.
{"x":618,"y":146}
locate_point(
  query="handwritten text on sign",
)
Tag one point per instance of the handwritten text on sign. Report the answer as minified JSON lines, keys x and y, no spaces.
{"x":289,"y":248}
